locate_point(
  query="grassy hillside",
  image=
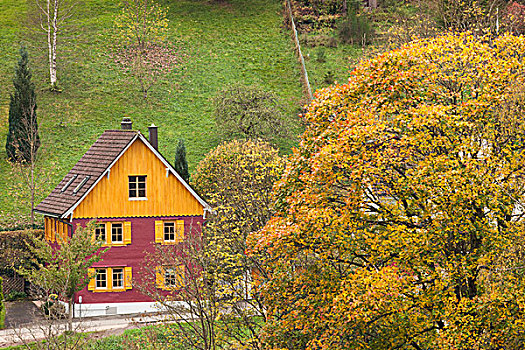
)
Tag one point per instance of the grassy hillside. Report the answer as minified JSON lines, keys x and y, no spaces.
{"x":223,"y":42}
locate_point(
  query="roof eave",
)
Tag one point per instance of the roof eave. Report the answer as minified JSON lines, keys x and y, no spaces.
{"x":55,"y":215}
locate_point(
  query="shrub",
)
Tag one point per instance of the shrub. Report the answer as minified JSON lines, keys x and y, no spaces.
{"x":514,"y":17}
{"x":477,"y":16}
{"x":329,"y":78}
{"x":320,"y":55}
{"x":15,"y":295}
{"x":355,"y":29}
{"x":2,"y":306}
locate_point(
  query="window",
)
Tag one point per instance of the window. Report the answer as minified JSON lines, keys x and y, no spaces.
{"x":118,"y":278}
{"x":137,"y":186}
{"x":110,"y":279}
{"x":117,"y":233}
{"x":101,"y":279}
{"x":170,"y":277}
{"x":113,"y":233}
{"x":100,"y":232}
{"x":82,"y":183}
{"x":169,"y":232}
{"x":73,"y":178}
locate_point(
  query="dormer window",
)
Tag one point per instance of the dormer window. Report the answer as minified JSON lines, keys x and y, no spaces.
{"x":137,"y":187}
{"x":73,"y":178}
{"x":82,"y":183}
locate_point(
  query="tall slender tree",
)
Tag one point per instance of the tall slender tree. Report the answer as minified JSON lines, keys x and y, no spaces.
{"x":22,"y":139}
{"x":54,"y":18}
{"x":181,"y":165}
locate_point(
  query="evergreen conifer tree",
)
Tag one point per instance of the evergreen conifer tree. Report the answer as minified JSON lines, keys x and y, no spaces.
{"x":181,"y":165}
{"x":22,"y":139}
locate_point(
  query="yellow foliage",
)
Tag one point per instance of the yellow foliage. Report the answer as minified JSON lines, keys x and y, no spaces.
{"x":400,"y":223}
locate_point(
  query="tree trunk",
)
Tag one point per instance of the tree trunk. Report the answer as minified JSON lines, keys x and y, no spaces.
{"x":49,"y":41}
{"x":32,"y":192}
{"x":53,"y":47}
{"x":70,"y":314}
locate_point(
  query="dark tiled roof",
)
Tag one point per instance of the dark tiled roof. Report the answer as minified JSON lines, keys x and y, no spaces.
{"x":93,"y":164}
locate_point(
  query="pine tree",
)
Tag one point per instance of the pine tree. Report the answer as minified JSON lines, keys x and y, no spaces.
{"x":22,"y":139}
{"x":181,"y":165}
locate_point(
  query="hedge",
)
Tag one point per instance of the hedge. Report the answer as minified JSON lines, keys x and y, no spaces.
{"x":2,"y":306}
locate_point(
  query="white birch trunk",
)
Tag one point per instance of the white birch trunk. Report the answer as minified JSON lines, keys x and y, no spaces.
{"x":53,"y":46}
{"x":47,"y":29}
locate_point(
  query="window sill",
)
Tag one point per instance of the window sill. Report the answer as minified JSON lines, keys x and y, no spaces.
{"x":109,"y":290}
{"x":170,"y":289}
{"x":170,"y":242}
{"x":114,"y":245}
{"x":138,"y":199}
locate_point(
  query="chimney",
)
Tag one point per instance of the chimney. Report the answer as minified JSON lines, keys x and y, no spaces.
{"x":153,"y":136}
{"x":126,"y":123}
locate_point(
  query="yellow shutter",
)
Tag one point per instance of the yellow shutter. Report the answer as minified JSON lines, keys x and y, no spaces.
{"x":128,"y":278}
{"x":159,"y":231}
{"x":159,"y":274}
{"x":47,"y":229}
{"x":108,"y":233}
{"x":53,"y":230}
{"x":109,"y":279}
{"x":181,"y":275}
{"x":62,"y":233}
{"x":179,"y":226}
{"x":92,"y":274}
{"x":127,"y":232}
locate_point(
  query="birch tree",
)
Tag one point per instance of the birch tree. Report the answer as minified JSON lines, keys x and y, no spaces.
{"x":53,"y":17}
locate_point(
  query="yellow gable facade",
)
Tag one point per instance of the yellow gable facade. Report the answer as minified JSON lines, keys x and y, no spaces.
{"x":165,"y":194}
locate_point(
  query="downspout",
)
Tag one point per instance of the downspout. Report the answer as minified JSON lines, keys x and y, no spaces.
{"x":70,"y":225}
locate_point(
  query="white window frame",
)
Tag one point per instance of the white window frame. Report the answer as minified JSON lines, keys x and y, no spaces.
{"x":98,"y":273}
{"x":111,"y":241}
{"x":136,"y":189}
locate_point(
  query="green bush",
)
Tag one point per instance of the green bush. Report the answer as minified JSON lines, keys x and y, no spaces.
{"x":329,"y":78}
{"x":15,"y":295}
{"x":355,"y":29}
{"x":2,"y":306}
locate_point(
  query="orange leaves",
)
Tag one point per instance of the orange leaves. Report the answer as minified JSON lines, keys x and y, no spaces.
{"x":398,"y":212}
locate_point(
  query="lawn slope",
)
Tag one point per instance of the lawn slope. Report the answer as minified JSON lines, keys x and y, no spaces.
{"x":222,"y":43}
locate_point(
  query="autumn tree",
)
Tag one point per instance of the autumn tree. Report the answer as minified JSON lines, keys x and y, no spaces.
{"x":63,"y":267}
{"x":481,"y":16}
{"x":236,"y":179}
{"x":143,"y":48}
{"x":400,"y":222}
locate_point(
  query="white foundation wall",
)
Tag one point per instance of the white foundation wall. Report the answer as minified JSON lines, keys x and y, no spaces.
{"x":105,"y":309}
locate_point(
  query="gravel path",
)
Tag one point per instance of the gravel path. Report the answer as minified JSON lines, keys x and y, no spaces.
{"x":20,"y":313}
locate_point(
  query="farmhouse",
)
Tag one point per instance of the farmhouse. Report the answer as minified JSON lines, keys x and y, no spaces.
{"x":137,"y":200}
